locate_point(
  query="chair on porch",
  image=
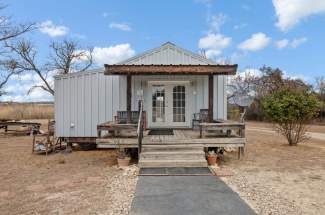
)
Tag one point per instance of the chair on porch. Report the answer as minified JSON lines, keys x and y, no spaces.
{"x":121,"y":117}
{"x":199,"y":118}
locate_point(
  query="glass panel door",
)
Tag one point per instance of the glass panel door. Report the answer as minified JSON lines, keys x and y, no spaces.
{"x":179,"y":103}
{"x":158,"y":104}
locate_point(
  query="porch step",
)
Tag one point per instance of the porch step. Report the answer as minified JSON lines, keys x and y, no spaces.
{"x":170,"y":148}
{"x":172,"y":156}
{"x":172,"y":163}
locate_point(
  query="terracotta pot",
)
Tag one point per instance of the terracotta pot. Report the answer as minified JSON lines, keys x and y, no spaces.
{"x":212,"y":160}
{"x":123,"y":161}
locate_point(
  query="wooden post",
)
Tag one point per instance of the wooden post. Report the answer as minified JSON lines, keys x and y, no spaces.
{"x":210,"y":109}
{"x":128,"y":97}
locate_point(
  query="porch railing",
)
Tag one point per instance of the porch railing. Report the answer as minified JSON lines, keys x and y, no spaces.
{"x":140,"y":126}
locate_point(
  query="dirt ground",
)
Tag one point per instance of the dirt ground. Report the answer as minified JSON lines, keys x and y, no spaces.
{"x":82,"y":182}
{"x":273,"y":178}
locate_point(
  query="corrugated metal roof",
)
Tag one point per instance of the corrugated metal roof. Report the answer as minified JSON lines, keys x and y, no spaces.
{"x":99,"y":70}
{"x":168,"y":54}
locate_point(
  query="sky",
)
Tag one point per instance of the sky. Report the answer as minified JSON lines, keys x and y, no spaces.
{"x":287,"y":34}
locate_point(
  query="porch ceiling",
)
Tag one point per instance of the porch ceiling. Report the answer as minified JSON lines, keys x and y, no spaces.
{"x":170,"y":69}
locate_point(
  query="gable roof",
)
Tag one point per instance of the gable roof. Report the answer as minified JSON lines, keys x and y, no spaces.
{"x":168,"y":54}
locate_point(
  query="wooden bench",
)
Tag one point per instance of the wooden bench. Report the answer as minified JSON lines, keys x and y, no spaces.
{"x":114,"y":128}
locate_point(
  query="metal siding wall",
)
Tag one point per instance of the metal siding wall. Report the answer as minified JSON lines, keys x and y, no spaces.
{"x":66,"y":109}
{"x":94,"y":103}
{"x":80,"y":126}
{"x":136,"y":83}
{"x":57,"y":105}
{"x":205,"y":92}
{"x":225,"y":106}
{"x":116,"y":95}
{"x":72,"y":106}
{"x":87,"y":103}
{"x":108,"y":94}
{"x":101,"y":101}
{"x":219,"y":103}
{"x":122,"y":92}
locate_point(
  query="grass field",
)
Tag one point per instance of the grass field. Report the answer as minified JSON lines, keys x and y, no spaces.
{"x":19,"y":111}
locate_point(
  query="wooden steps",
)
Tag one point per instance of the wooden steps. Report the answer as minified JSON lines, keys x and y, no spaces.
{"x":172,"y":156}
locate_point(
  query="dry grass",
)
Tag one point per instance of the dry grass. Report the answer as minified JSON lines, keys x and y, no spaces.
{"x":19,"y":111}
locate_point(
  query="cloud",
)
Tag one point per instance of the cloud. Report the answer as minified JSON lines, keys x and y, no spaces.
{"x":280,"y":44}
{"x":112,"y":54}
{"x":257,"y":42}
{"x":298,"y":41}
{"x":212,"y":53}
{"x":214,"y":44}
{"x":291,"y":12}
{"x":120,"y":26}
{"x":19,"y":85}
{"x":214,"y":41}
{"x":47,"y":27}
{"x":216,"y":21}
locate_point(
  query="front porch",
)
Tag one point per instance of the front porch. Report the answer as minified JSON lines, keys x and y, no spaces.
{"x":224,"y":134}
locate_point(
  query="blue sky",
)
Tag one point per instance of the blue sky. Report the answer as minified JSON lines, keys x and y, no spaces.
{"x":288,"y":34}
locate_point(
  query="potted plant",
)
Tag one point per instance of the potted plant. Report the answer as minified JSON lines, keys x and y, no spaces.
{"x":123,"y":159}
{"x":212,"y":158}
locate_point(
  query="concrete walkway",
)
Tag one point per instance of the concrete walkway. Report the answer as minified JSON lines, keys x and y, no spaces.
{"x":169,"y":195}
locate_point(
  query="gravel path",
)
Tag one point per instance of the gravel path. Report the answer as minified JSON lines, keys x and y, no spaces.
{"x":263,"y":199}
{"x":120,"y":189}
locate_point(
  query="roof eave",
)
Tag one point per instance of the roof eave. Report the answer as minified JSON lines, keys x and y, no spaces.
{"x":170,"y":69}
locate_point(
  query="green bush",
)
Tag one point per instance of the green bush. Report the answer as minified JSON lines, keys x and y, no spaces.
{"x":291,"y":112}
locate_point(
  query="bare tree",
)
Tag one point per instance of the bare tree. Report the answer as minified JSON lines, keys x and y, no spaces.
{"x":9,"y":31}
{"x":65,"y":57}
{"x":69,"y":57}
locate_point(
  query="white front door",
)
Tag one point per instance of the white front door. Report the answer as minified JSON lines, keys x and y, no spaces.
{"x":169,"y":104}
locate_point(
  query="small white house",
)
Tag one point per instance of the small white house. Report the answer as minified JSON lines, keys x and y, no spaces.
{"x":173,"y":82}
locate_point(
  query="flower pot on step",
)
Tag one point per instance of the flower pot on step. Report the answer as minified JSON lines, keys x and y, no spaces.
{"x":122,"y":162}
{"x":212,"y":160}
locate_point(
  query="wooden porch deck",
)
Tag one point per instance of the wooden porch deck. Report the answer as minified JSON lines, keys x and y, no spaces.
{"x":181,"y":137}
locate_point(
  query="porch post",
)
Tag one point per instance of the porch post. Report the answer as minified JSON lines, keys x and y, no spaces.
{"x":210,"y":108}
{"x":128,"y":97}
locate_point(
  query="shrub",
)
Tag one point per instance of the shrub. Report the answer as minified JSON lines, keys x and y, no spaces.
{"x":291,"y":112}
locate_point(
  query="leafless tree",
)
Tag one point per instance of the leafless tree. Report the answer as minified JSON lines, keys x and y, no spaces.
{"x":65,"y":57}
{"x":8,"y":31}
{"x":69,"y":57}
